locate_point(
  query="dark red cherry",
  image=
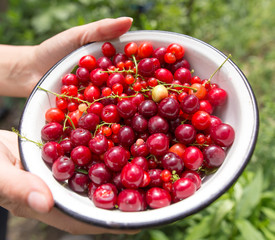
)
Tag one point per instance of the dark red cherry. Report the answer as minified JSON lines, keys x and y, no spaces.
{"x":190,"y":104}
{"x":80,"y":136}
{"x":99,"y":173}
{"x":185,"y":133}
{"x":172,"y":162}
{"x":126,"y":108}
{"x":213,"y":156}
{"x":51,"y":131}
{"x":51,"y":151}
{"x":126,"y":136}
{"x":63,"y":168}
{"x":148,"y":108}
{"x":79,"y":182}
{"x":158,"y":124}
{"x":89,"y":121}
{"x":169,"y":108}
{"x":223,"y":134}
{"x":139,"y":123}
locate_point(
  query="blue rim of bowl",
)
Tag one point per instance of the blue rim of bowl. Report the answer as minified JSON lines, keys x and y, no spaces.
{"x":174,"y":218}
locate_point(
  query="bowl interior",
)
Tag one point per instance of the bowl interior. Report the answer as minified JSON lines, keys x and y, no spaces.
{"x":240,"y":111}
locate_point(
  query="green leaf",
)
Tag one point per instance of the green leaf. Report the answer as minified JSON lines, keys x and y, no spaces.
{"x":268,"y":212}
{"x":248,"y":231}
{"x":157,"y":235}
{"x":269,"y":235}
{"x":224,"y":208}
{"x":200,"y":230}
{"x":251,"y":196}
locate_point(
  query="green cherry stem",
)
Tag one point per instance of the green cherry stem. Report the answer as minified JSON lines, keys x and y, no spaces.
{"x":175,"y":176}
{"x":71,"y":121}
{"x":170,"y":86}
{"x":83,"y":101}
{"x":229,"y":56}
{"x":136,"y":65}
{"x":64,"y":95}
{"x":39,"y":144}
{"x":118,"y":71}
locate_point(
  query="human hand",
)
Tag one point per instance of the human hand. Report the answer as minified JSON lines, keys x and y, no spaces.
{"x":26,"y":195}
{"x":22,"y":193}
{"x":21,"y":67}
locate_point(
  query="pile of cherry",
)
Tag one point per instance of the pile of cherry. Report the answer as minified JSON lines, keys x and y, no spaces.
{"x":135,"y":130}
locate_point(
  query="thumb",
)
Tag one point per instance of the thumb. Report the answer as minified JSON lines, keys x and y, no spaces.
{"x":21,"y":190}
{"x":55,"y":48}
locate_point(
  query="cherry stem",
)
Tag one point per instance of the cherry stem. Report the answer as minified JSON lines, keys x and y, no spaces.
{"x":136,"y":65}
{"x":118,"y":71}
{"x":229,"y":56}
{"x":39,"y":144}
{"x":172,"y":85}
{"x":71,"y":121}
{"x":175,"y":176}
{"x":83,"y":101}
{"x":102,"y":124}
{"x":64,"y":95}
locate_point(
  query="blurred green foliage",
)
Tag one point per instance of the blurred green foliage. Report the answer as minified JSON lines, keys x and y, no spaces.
{"x":243,"y":28}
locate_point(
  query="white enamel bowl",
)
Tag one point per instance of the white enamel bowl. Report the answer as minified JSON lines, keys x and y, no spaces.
{"x":240,"y":111}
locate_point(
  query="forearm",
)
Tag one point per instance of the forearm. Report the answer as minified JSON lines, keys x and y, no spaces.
{"x":17,"y":71}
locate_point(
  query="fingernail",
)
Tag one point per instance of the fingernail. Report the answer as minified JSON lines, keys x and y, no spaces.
{"x":128,"y":18}
{"x":38,"y":202}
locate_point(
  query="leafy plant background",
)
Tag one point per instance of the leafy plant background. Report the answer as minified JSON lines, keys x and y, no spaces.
{"x":243,"y":28}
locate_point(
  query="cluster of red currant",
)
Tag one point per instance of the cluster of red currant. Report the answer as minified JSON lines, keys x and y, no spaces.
{"x":135,"y":130}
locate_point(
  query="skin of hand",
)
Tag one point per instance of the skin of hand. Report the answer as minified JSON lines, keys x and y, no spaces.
{"x":21,"y":67}
{"x":24,"y":194}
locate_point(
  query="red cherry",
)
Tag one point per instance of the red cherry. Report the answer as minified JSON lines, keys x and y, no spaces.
{"x":108,"y":49}
{"x":131,"y":49}
{"x":158,"y":144}
{"x":115,"y":158}
{"x":132,"y":176}
{"x":176,"y":49}
{"x":192,"y":158}
{"x":110,"y":114}
{"x":164,"y":75}
{"x":88,"y":62}
{"x":193,"y":176}
{"x":217,"y":96}
{"x":104,"y":197}
{"x":201,"y":120}
{"x":183,"y":188}
{"x":145,"y":50}
{"x":130,"y":200}
{"x":157,"y":198}
{"x":91,"y":93}
{"x":223,"y":134}
{"x":54,"y":115}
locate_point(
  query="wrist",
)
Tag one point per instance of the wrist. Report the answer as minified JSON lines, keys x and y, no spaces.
{"x":16,"y":70}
